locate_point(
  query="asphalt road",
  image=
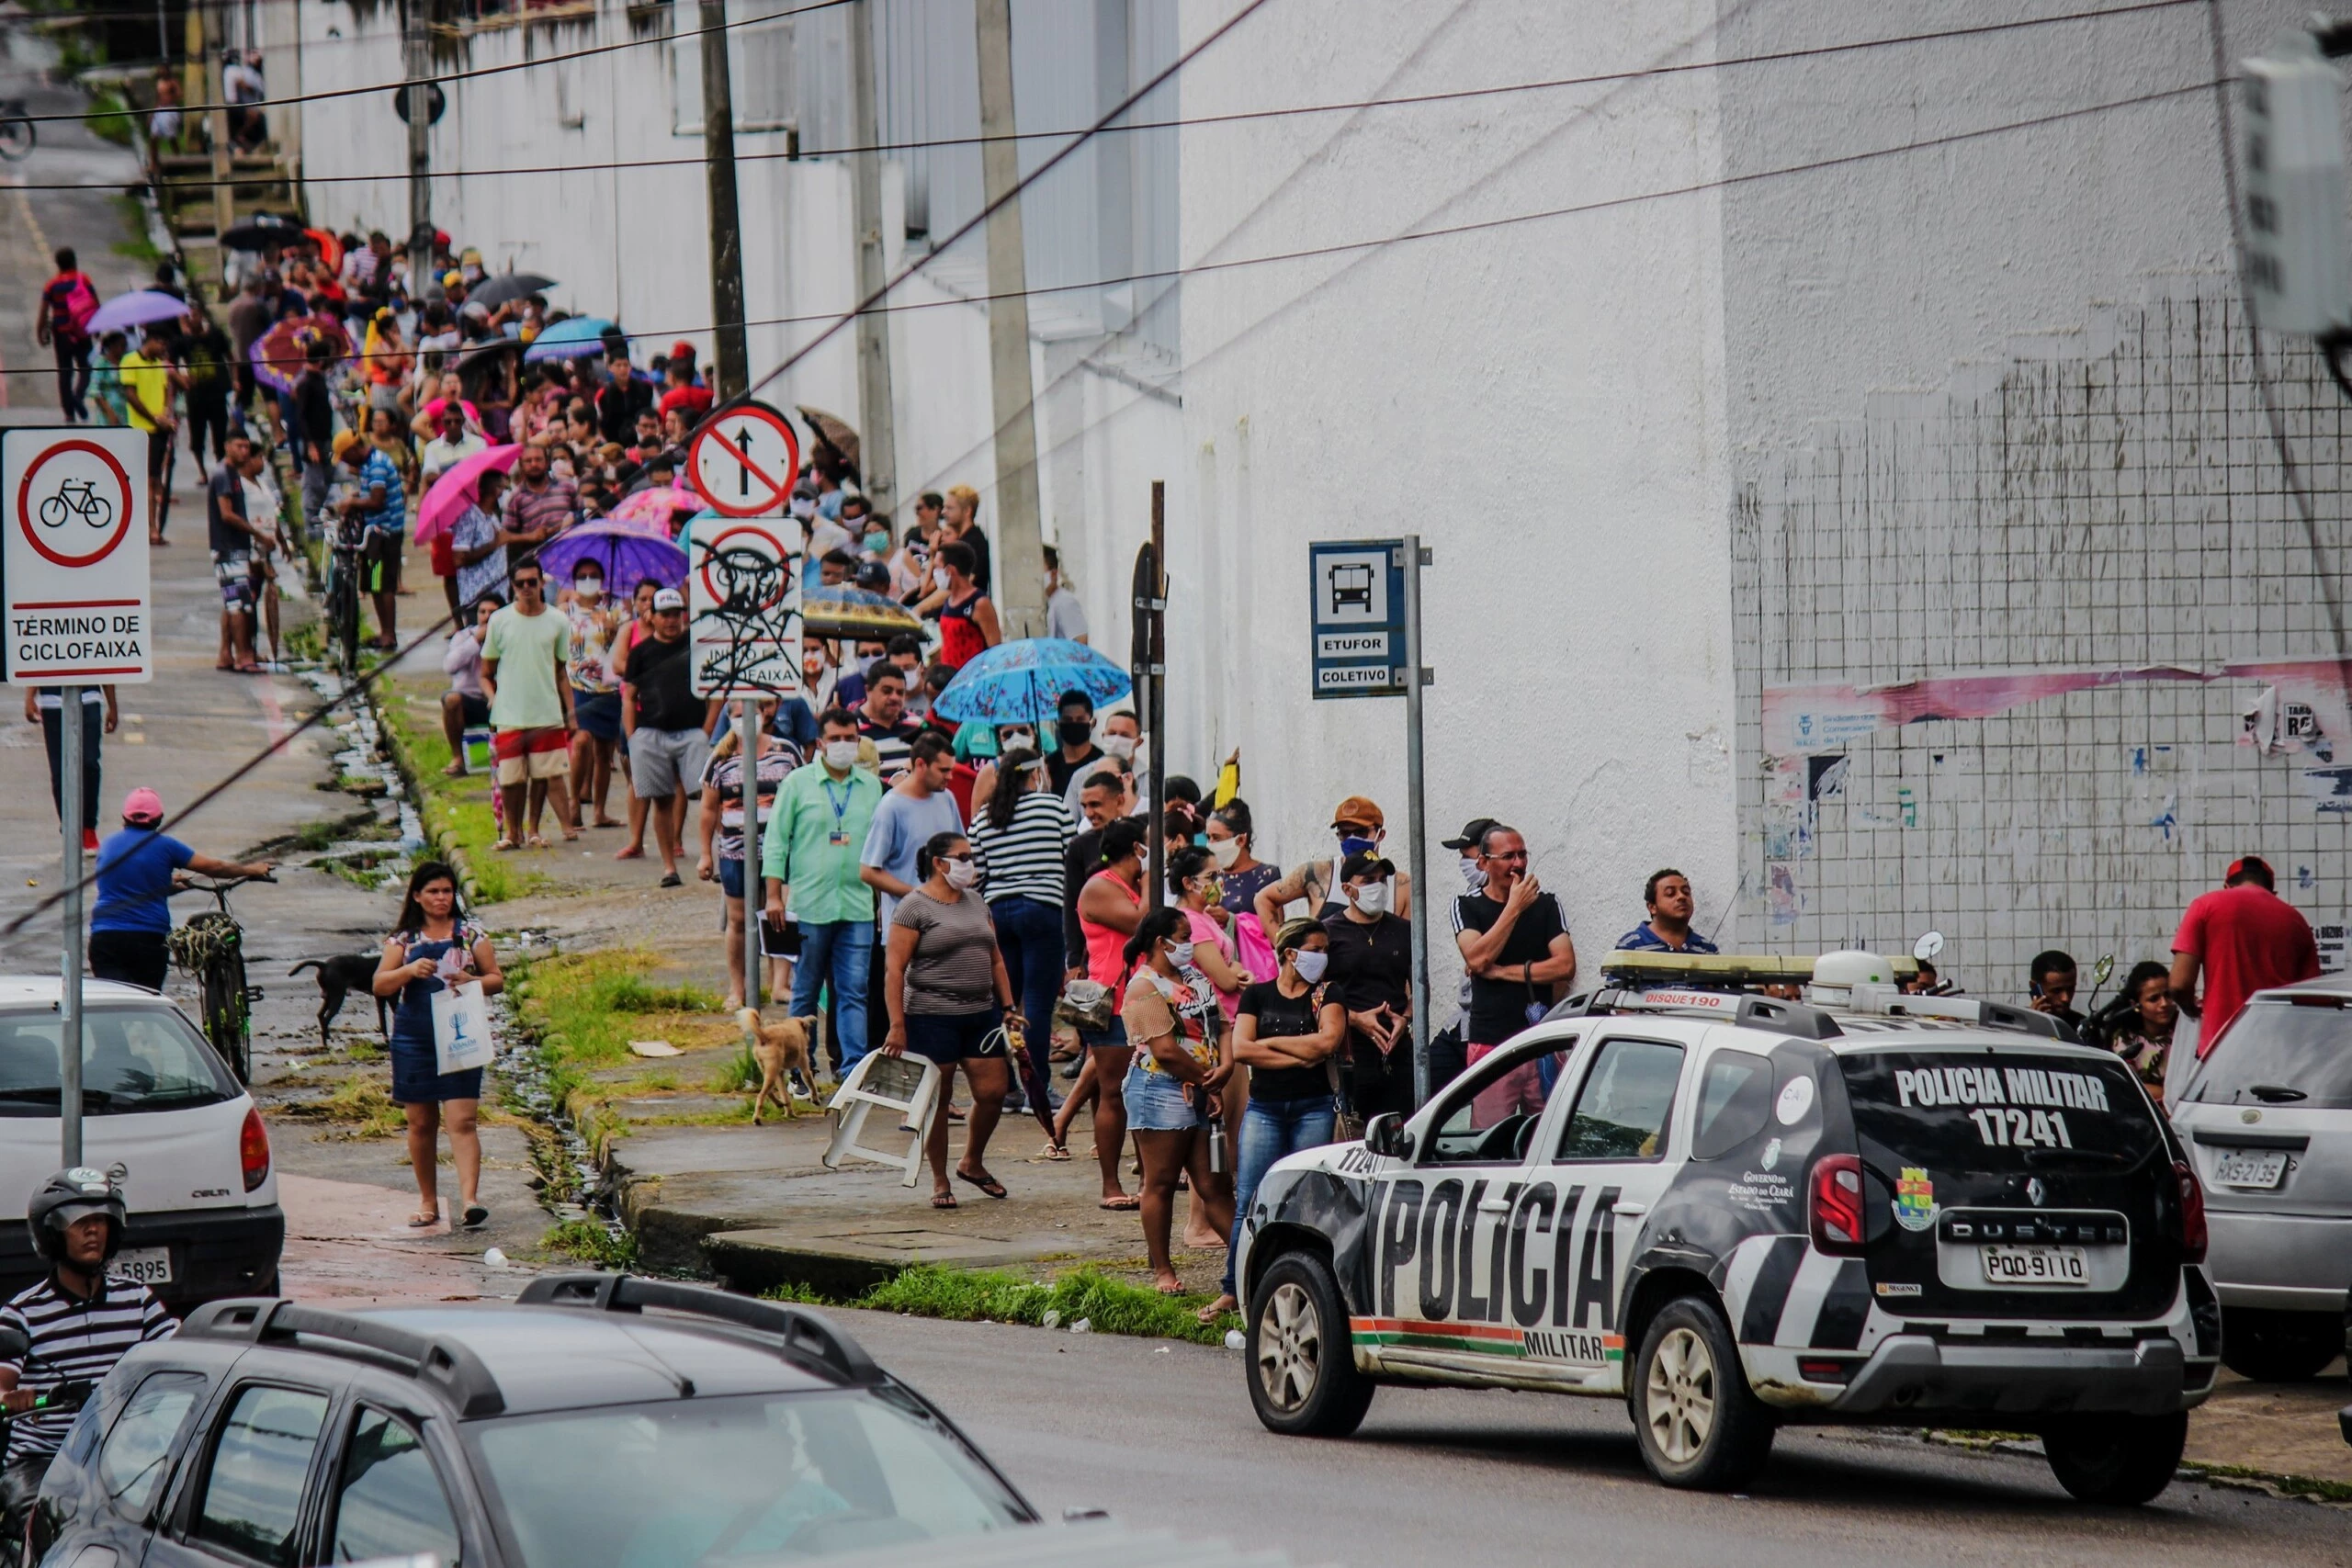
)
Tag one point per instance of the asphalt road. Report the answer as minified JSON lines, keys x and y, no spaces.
{"x":1166,"y":1438}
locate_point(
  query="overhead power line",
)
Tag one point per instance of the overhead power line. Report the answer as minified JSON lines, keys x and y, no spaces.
{"x":471,"y":74}
{"x":1407,"y":100}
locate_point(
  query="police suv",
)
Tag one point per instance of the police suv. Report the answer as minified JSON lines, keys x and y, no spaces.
{"x":1734,"y":1212}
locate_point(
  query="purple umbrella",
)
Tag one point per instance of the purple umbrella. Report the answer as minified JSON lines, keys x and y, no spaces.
{"x":627,"y":555}
{"x":135,"y":309}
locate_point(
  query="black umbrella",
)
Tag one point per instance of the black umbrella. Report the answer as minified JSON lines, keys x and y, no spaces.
{"x":505,"y":285}
{"x":261,"y":233}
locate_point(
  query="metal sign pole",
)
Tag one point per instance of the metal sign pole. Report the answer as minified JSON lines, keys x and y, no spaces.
{"x":748,"y":728}
{"x":1417,"y":853}
{"x":69,"y":995}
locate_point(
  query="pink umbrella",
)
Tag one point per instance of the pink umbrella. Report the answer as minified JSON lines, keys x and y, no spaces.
{"x":454,"y":491}
{"x":656,"y":510}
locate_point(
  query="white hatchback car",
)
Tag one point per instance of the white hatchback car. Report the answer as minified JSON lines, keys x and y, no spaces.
{"x":158,"y":1106}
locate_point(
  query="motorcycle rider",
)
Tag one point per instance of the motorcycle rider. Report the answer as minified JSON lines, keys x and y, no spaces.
{"x":78,"y":1322}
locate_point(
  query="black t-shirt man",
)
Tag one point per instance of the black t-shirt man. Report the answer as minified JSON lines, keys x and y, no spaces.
{"x":661,"y":674}
{"x":1372,"y":962}
{"x":1061,"y":769}
{"x":224,"y":498}
{"x":314,"y":416}
{"x":1280,"y":1017}
{"x":1499,"y":1008}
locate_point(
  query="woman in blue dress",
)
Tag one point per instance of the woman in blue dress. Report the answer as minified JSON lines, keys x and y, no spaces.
{"x":433,"y":942}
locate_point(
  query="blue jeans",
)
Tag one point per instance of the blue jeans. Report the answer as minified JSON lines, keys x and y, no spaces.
{"x":1029,"y":934}
{"x":1270,"y":1130}
{"x":839,"y":950}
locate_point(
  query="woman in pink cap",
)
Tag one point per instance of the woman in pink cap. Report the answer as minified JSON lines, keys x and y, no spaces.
{"x":134,"y":913}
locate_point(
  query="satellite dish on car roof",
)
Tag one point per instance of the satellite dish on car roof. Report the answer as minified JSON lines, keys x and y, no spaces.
{"x":1927,"y":946}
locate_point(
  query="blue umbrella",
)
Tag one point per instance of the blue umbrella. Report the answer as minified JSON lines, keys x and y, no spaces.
{"x":134,"y":310}
{"x":627,"y":554}
{"x":1023,"y":680}
{"x":576,"y":337}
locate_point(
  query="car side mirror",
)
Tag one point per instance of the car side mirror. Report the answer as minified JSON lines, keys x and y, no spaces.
{"x":14,"y":1345}
{"x":1384,"y":1135}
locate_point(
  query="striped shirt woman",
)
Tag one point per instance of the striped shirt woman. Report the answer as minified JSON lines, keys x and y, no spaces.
{"x":1021,"y":836}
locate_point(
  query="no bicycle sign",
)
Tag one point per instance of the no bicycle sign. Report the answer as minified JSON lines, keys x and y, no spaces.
{"x":75,"y":560}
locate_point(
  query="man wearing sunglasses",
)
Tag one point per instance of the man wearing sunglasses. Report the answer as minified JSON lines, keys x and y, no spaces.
{"x":1516,"y":950}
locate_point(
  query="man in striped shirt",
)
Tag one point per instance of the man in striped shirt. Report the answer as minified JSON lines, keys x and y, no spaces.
{"x":79,"y":1323}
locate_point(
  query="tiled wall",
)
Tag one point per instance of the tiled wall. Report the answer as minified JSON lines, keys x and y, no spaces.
{"x":2110,"y":500}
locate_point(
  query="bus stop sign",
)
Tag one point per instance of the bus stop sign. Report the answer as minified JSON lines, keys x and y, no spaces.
{"x":1359,"y":617}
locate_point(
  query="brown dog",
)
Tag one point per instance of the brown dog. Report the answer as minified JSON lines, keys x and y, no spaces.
{"x":778,"y":1048}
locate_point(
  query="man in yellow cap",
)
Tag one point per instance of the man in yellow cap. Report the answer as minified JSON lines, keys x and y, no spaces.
{"x":1361,"y":828}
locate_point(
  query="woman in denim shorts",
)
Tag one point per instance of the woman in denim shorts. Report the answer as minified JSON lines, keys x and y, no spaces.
{"x":1170,"y":1089}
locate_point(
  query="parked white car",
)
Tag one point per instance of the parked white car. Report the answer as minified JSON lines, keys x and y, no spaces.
{"x":158,"y":1104}
{"x":2267,"y":1116}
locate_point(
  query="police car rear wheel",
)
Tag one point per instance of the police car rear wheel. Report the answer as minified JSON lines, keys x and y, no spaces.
{"x":1699,"y":1425}
{"x":2124,"y":1460}
{"x":1303,"y":1377}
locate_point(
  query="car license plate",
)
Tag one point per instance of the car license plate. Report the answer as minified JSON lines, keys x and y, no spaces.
{"x":148,"y":1265}
{"x":2249,"y":1168}
{"x":2036,"y":1266}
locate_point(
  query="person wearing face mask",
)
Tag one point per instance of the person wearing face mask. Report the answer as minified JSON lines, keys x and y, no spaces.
{"x":1107,"y":909}
{"x":967,"y":623}
{"x":1371,"y":976}
{"x":1287,"y":1034}
{"x":912,"y":811}
{"x":874,"y":545}
{"x":722,"y":824}
{"x":1193,"y":884}
{"x":1360,"y":825}
{"x":1020,"y":834}
{"x":1171,"y":1084}
{"x":595,"y":694}
{"x":809,"y":857}
{"x":949,"y":997}
{"x":1075,"y":753}
{"x":1120,"y":734}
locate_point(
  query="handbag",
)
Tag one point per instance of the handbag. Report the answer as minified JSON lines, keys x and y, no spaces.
{"x":461,"y":1038}
{"x":1085,"y":1005}
{"x":1347,"y":1125}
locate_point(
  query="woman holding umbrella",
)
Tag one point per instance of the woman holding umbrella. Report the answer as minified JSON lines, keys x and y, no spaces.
{"x":949,"y":998}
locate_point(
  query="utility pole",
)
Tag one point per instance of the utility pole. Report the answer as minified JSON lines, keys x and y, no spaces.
{"x":215,"y":131}
{"x":421,"y":284}
{"x":726,"y":225}
{"x":1147,"y":667}
{"x":1019,"y":589}
{"x":877,"y":439}
{"x":1417,"y":846}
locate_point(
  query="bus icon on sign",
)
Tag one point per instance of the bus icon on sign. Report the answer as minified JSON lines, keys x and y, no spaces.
{"x":1350,"y":584}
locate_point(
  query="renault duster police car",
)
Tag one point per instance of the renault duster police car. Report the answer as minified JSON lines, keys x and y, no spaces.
{"x":1735,"y":1212}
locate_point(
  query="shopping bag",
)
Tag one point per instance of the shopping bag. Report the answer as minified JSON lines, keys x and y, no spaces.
{"x":461,"y":1028}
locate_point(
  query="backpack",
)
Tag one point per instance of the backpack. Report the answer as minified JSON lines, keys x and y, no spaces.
{"x":79,"y":304}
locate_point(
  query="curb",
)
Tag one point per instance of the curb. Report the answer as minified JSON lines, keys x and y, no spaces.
{"x":2281,"y":1485}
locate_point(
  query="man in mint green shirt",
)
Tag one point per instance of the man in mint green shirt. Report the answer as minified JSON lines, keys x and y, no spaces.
{"x":810,"y":856}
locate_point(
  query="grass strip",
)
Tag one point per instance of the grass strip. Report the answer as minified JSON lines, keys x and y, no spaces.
{"x":457,"y":811}
{"x":588,"y":1241}
{"x":587,"y":1006}
{"x":976,"y":1295}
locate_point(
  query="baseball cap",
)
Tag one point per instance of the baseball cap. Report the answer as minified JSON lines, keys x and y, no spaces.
{"x":345,"y":441}
{"x":453,"y":278}
{"x":669,"y":599}
{"x":143,"y":804}
{"x":470,"y":254}
{"x":1364,"y":863}
{"x":1473,"y":832}
{"x":875,"y":576}
{"x":683,"y":350}
{"x":2245,"y":864}
{"x":1359,"y":810}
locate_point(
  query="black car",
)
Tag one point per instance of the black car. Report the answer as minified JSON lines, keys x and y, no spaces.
{"x":601,"y":1421}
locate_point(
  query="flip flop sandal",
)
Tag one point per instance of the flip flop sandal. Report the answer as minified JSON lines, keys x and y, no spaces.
{"x":671,"y":879}
{"x":1123,"y":1205}
{"x":504,"y":845}
{"x":1170,"y":1290}
{"x":1054,"y":1152}
{"x":987,"y":1184}
{"x":476,"y":1216}
{"x":942,"y":1200}
{"x":419,"y":1222}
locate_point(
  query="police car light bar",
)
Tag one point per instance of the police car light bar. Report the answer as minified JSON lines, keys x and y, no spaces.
{"x":1653,"y":968}
{"x":1886,"y":1001}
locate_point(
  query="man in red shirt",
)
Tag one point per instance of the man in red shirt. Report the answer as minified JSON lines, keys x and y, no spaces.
{"x":2244,"y":939}
{"x":61,"y":320}
{"x":683,"y":393}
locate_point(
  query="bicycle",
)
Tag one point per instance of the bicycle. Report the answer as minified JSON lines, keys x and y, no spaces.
{"x":77,"y":499}
{"x":211,"y":948}
{"x":344,"y":570}
{"x":16,"y":131}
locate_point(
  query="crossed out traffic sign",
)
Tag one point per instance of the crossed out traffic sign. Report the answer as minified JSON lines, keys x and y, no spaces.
{"x":744,"y":461}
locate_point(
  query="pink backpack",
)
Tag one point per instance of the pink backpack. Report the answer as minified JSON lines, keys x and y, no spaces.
{"x":81,"y":303}
{"x":1256,"y":952}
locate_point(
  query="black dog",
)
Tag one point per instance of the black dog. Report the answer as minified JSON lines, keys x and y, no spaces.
{"x":339,"y":978}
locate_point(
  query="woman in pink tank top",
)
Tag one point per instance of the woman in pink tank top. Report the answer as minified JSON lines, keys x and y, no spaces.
{"x":1110,"y":907}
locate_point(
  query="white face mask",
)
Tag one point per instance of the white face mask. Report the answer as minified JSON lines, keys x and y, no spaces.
{"x":803,"y":507}
{"x":939,"y":577}
{"x":1122,"y":747}
{"x":1016,"y":740}
{"x":1225,"y":852}
{"x":963,"y":875}
{"x":589,"y":588}
{"x":1180,"y":953}
{"x":1310,"y":966}
{"x":841,"y":755}
{"x":1473,"y":876}
{"x":1372,"y":898}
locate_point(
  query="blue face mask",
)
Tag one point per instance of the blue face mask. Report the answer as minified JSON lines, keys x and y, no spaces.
{"x":878,"y":543}
{"x":1353,"y":846}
